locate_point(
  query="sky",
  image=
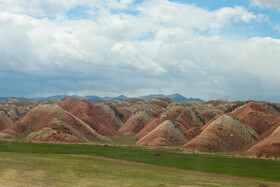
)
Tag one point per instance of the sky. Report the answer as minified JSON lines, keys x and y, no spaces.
{"x":222,"y":49}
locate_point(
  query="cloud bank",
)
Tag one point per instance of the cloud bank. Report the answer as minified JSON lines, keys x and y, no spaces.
{"x":124,"y":47}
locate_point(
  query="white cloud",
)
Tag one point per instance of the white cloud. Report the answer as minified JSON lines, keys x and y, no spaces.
{"x":55,"y":8}
{"x":160,"y":49}
{"x":37,"y":7}
{"x":277,"y":27}
{"x":189,"y":16}
{"x":115,"y":4}
{"x":134,"y":54}
{"x":266,"y":3}
{"x":225,"y":15}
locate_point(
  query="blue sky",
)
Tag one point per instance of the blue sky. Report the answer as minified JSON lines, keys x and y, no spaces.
{"x":199,"y":48}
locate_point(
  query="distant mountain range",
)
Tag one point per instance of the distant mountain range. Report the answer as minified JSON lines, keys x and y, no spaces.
{"x":174,"y":97}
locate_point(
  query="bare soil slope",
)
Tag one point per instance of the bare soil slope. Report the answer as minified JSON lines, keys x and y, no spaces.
{"x":149,"y":127}
{"x":136,"y":123}
{"x":270,"y":144}
{"x":115,"y":116}
{"x":5,"y":121}
{"x":96,"y":118}
{"x":262,"y":121}
{"x":167,"y":132}
{"x":16,"y":108}
{"x":224,"y":133}
{"x":50,"y":122}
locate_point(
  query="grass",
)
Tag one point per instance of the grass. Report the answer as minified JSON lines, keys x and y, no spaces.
{"x":242,"y":167}
{"x":38,"y":169}
{"x":126,"y":140}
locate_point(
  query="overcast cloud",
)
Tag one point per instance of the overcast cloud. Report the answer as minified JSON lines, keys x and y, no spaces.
{"x":108,"y":48}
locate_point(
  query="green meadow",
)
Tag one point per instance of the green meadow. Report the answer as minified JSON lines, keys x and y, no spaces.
{"x":40,"y":169}
{"x":241,"y":167}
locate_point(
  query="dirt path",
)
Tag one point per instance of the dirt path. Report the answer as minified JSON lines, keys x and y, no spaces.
{"x":179,"y":170}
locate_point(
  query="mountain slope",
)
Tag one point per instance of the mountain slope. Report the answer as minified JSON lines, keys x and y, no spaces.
{"x":59,"y":123}
{"x":269,"y":145}
{"x":224,"y":133}
{"x":174,"y":97}
{"x":95,"y":117}
{"x":136,"y":123}
{"x":5,"y":121}
{"x":261,"y":120}
{"x":164,"y":134}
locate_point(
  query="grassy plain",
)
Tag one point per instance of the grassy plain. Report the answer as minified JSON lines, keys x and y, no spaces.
{"x":40,"y":169}
{"x":241,"y":167}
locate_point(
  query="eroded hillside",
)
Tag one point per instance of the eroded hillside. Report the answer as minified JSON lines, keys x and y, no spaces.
{"x":250,"y":126}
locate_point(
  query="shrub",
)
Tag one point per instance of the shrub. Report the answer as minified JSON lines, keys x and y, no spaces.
{"x":157,"y":154}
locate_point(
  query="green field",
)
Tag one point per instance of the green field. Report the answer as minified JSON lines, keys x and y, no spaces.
{"x":242,"y":167}
{"x":37,"y":169}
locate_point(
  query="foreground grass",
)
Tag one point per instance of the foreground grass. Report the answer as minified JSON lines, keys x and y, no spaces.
{"x":37,"y":169}
{"x":242,"y":167}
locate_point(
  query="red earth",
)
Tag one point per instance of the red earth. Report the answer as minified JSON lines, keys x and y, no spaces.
{"x":212,"y":125}
{"x":224,"y":134}
{"x":95,"y":117}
